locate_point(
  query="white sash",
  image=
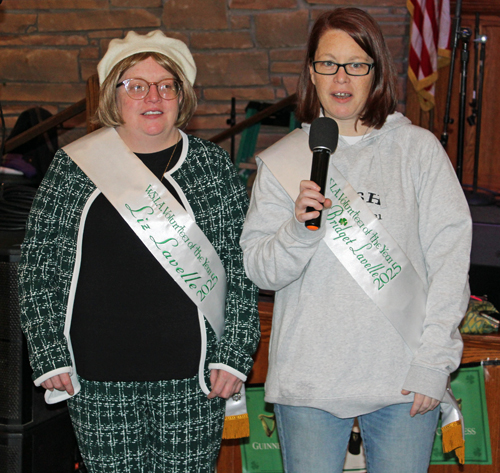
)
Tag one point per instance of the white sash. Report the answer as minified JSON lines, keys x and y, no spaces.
{"x":363,"y":246}
{"x":155,"y":216}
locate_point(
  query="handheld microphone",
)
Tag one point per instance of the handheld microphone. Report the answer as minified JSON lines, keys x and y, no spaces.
{"x":323,"y":140}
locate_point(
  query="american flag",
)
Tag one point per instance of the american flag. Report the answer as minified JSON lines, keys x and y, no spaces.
{"x":430,"y":46}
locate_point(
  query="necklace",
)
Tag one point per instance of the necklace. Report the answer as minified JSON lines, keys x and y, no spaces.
{"x":168,"y":164}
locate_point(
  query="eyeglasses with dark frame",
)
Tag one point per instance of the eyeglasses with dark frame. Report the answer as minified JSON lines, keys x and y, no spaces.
{"x":330,"y":68}
{"x":138,"y":89}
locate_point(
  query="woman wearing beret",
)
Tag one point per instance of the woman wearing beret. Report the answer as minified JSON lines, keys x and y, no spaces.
{"x":133,"y":295}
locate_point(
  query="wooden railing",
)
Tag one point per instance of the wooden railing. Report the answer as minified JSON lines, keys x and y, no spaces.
{"x":46,"y":125}
{"x":267,"y":112}
{"x":90,"y":103}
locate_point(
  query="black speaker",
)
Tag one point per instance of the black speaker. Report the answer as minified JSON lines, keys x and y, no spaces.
{"x":49,"y":447}
{"x":484,"y":274}
{"x":34,"y":437}
{"x":21,"y":404}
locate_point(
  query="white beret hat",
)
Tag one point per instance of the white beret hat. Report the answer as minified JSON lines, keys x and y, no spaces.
{"x":154,"y":41}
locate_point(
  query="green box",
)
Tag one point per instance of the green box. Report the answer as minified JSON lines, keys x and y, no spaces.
{"x":261,"y":453}
{"x":468,"y":387}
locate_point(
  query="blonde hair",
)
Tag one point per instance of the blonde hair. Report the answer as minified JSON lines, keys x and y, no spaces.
{"x":107,"y":113}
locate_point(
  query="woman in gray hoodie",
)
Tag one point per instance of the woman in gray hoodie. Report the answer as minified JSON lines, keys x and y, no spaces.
{"x":367,"y":307}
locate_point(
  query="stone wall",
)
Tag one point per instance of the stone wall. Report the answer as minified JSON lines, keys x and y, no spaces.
{"x":247,"y":49}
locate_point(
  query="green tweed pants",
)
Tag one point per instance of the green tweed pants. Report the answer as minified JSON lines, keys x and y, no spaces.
{"x":147,"y":427}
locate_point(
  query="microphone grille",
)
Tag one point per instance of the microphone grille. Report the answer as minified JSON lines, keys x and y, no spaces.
{"x":324,"y":133}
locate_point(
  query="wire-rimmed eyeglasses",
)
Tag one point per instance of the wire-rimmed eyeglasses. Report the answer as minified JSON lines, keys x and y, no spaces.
{"x":330,"y":68}
{"x":137,"y":89}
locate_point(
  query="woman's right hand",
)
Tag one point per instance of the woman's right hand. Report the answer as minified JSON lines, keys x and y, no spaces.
{"x":61,"y":382}
{"x":310,"y":197}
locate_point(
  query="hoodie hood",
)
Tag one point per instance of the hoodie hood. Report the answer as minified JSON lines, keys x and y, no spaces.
{"x":393,"y":121}
{"x":365,"y":160}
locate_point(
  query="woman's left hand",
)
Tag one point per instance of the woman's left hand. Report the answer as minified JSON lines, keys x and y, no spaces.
{"x":224,"y":384}
{"x":421,"y":403}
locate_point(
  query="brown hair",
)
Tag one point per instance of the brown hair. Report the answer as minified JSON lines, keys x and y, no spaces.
{"x":363,"y":29}
{"x":107,"y":113}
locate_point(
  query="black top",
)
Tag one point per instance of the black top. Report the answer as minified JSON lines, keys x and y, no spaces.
{"x":131,"y":321}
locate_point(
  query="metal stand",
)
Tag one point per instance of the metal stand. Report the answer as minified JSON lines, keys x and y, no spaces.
{"x":456,"y":31}
{"x":466,"y":34}
{"x":471,"y":119}
{"x":474,"y":197}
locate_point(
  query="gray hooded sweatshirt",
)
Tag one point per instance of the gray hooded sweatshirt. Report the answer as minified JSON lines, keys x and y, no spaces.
{"x":331,"y":347}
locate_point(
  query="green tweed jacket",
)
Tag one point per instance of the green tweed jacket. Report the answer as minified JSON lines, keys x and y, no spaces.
{"x":50,"y":249}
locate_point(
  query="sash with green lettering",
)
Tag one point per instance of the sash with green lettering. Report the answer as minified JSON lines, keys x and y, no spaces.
{"x":161,"y":223}
{"x":370,"y":255}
